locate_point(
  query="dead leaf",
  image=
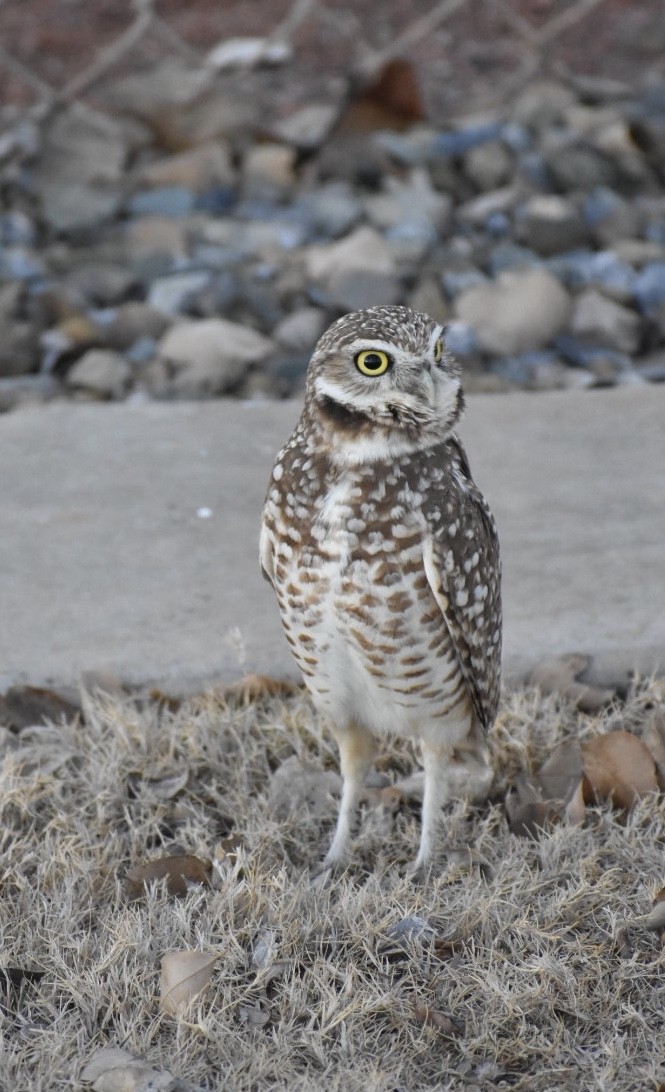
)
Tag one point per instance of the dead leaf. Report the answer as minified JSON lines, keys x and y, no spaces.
{"x":184,"y":975}
{"x":619,"y":767}
{"x":528,"y":820}
{"x":653,"y":737}
{"x":255,"y":688}
{"x":560,"y":774}
{"x":392,"y":101}
{"x":227,"y":848}
{"x":114,"y":1070}
{"x":655,"y":919}
{"x":434,"y":1018}
{"x":574,"y":813}
{"x":560,"y":676}
{"x":22,"y":706}
{"x":180,"y":872}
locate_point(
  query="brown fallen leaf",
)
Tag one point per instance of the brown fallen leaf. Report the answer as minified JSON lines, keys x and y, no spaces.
{"x":528,"y":820}
{"x":653,"y":737}
{"x":618,"y":767}
{"x":184,"y":975}
{"x":434,"y":1018}
{"x":113,"y":1069}
{"x":561,"y":772}
{"x":22,"y":706}
{"x":391,"y":101}
{"x":560,"y":676}
{"x":180,"y":872}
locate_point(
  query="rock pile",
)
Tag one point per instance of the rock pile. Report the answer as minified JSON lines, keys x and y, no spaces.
{"x":183,"y":247}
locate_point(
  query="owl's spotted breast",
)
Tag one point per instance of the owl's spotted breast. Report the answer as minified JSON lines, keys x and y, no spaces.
{"x":384,"y":556}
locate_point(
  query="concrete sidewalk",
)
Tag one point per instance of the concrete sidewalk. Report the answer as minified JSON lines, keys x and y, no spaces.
{"x":129,"y":534}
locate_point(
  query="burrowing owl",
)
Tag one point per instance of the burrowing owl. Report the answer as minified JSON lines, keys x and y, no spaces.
{"x":384,"y":557}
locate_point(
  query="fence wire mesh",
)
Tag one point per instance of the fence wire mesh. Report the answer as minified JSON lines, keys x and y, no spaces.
{"x":468,"y":54}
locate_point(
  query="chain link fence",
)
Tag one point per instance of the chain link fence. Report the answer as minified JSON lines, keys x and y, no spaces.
{"x":468,"y":54}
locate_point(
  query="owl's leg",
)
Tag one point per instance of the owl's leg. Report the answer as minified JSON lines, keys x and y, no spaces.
{"x":435,"y":762}
{"x":357,"y":748}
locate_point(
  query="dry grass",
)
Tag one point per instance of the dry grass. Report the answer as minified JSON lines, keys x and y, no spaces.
{"x":513,"y":973}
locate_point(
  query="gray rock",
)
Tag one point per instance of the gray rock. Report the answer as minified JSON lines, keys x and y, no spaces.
{"x":364,"y":249}
{"x":354,"y":289}
{"x":132,"y":321}
{"x":413,"y":200}
{"x":639,"y":252}
{"x":102,"y":372}
{"x":19,"y":337}
{"x":428,"y":297}
{"x":26,"y":390}
{"x":523,"y":309}
{"x":603,"y":321}
{"x":489,"y":165}
{"x":80,"y":168}
{"x":332,"y":208}
{"x":542,"y":104}
{"x":301,"y":329}
{"x":576,"y":165}
{"x":610,"y":217}
{"x":171,"y":201}
{"x":172,"y":294}
{"x":197,"y":169}
{"x":211,"y":355}
{"x":71,"y":207}
{"x":479,"y":209}
{"x":268,"y":171}
{"x":308,"y":126}
{"x":101,"y":283}
{"x":550,"y":224}
{"x":652,"y":367}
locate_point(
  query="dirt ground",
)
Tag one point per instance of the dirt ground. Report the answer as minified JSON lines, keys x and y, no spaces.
{"x":516,"y":963}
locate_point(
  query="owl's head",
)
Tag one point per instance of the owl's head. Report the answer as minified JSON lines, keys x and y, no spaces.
{"x":381,"y":382}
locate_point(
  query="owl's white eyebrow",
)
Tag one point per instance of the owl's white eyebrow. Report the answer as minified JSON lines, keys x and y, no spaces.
{"x":361,"y":343}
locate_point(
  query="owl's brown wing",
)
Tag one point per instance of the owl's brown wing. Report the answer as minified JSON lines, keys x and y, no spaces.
{"x":463,"y":567}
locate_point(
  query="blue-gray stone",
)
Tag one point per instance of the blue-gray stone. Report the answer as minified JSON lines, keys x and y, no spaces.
{"x":174,"y":293}
{"x":218,"y":200}
{"x":461,"y":339}
{"x":600,"y":203}
{"x":583,"y":355}
{"x":143,"y":350}
{"x":16,"y":229}
{"x":579,"y":269}
{"x":457,"y":281}
{"x":650,"y":287}
{"x":451,"y":145}
{"x":19,"y":264}
{"x":534,"y":169}
{"x":511,"y":256}
{"x":521,"y":367}
{"x":655,"y":232}
{"x":497,"y":224}
{"x":172,"y":201}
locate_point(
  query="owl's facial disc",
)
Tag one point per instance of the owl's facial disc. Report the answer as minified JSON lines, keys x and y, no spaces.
{"x":369,"y":382}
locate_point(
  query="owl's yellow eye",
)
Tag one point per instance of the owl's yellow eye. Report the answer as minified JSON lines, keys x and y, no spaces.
{"x":372,"y":361}
{"x":438,"y":351}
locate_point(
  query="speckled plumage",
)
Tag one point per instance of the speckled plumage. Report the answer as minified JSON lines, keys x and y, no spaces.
{"x":384,"y":558}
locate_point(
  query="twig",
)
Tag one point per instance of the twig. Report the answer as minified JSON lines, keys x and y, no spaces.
{"x":113,"y":53}
{"x":372,"y":61}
